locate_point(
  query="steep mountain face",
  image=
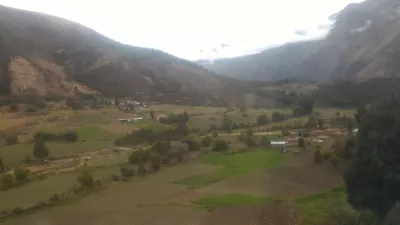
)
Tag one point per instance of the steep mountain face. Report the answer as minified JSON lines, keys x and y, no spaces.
{"x":363,"y":44}
{"x":52,"y":56}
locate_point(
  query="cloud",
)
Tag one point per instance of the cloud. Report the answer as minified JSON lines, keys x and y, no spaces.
{"x":192,"y":28}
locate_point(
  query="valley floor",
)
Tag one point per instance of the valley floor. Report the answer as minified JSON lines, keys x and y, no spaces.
{"x":155,"y":199}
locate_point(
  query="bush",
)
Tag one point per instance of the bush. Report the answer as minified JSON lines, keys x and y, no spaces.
{"x":18,"y":210}
{"x":21,"y":173}
{"x":115,"y":177}
{"x":70,"y":136}
{"x":12,"y":140}
{"x":55,"y":198}
{"x":317,"y":156}
{"x":193,"y":144}
{"x":30,"y":109}
{"x":6,"y":181}
{"x":13,"y":108}
{"x":45,"y":136}
{"x":127,"y":172}
{"x":207,"y":141}
{"x":86,"y":179}
{"x":326,"y":155}
{"x":220,"y":145}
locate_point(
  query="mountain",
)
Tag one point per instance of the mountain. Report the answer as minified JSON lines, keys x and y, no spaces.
{"x":363,"y":44}
{"x":50,"y":56}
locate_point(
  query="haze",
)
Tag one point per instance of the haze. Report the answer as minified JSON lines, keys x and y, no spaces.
{"x":197,"y":29}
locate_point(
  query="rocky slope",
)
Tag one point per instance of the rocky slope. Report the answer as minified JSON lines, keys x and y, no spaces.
{"x":364,"y":44}
{"x":47,"y":55}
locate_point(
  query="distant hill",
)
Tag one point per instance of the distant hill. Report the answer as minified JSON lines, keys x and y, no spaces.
{"x":50,"y":56}
{"x":364,"y":44}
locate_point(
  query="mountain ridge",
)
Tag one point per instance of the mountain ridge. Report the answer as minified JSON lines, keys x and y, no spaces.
{"x":47,"y":55}
{"x":362,"y":45}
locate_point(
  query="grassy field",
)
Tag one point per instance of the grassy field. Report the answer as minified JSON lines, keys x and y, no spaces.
{"x":14,"y":154}
{"x":40,"y":190}
{"x":234,"y":164}
{"x":324,"y":207}
{"x":213,"y":202}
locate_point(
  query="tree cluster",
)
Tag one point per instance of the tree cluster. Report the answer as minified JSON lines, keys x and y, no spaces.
{"x":69,"y":136}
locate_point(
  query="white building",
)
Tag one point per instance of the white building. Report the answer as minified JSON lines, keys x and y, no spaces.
{"x":279,"y":144}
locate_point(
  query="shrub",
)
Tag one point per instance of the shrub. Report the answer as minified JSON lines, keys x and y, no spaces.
{"x":13,"y":108}
{"x":207,"y":141}
{"x":45,"y":136}
{"x":317,"y":156}
{"x":70,"y":136}
{"x":12,"y":140}
{"x":18,"y":210}
{"x":55,"y":198}
{"x":115,"y":177}
{"x":21,"y":173}
{"x":30,"y":109}
{"x":193,"y":144}
{"x":6,"y":181}
{"x":220,"y":145}
{"x":326,"y":155}
{"x":214,"y":134}
{"x":126,"y":172}
{"x":85,"y":179}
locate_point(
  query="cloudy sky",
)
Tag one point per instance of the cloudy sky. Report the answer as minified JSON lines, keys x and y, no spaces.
{"x":196,"y":29}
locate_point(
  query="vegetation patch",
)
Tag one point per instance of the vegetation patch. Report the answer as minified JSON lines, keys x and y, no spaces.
{"x":214,"y":202}
{"x":234,"y":164}
{"x":330,"y":206}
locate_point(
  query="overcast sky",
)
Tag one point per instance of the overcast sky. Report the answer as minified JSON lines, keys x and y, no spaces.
{"x":195,"y":29}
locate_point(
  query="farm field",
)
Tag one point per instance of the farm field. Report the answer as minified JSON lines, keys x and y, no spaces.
{"x":208,"y":204}
{"x":256,"y":186}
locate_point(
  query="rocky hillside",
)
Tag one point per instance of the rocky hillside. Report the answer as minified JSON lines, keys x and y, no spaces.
{"x":363,"y":44}
{"x":47,"y":55}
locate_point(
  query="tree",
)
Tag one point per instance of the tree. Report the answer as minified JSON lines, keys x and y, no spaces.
{"x":317,"y":156}
{"x":372,"y":176}
{"x":307,"y":104}
{"x":40,"y":150}
{"x":320,"y":123}
{"x":299,"y":111}
{"x":139,"y":157}
{"x":265,"y":142}
{"x":220,"y":145}
{"x":207,"y":141}
{"x":361,"y":111}
{"x":21,"y":173}
{"x":152,"y":116}
{"x":185,"y":116}
{"x":162,"y":147}
{"x":155,"y":159}
{"x":2,"y":166}
{"x":86,"y":179}
{"x":277,"y":116}
{"x":302,"y":143}
{"x":350,"y":125}
{"x":262,"y":120}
